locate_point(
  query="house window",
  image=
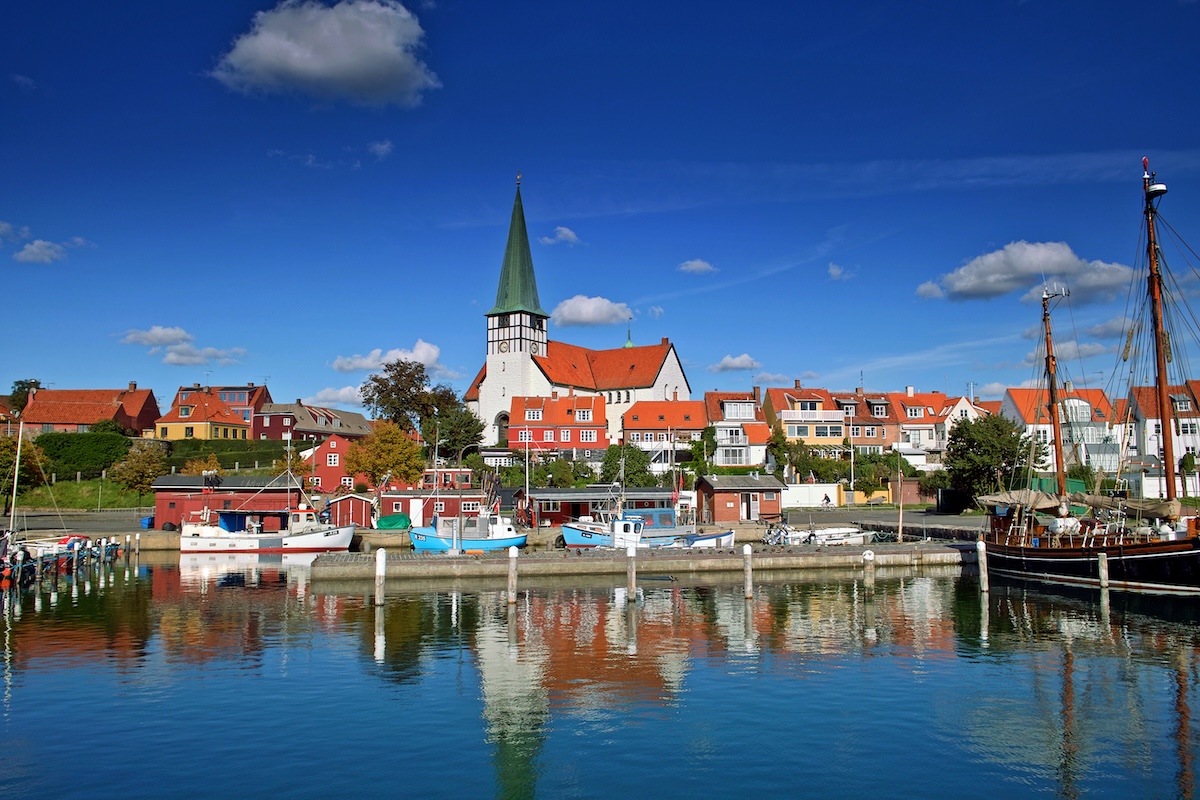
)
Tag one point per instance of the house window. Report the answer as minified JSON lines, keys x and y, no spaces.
{"x":662,"y":437}
{"x":188,"y":433}
{"x":185,"y":411}
{"x":827,"y":431}
{"x":549,"y":506}
{"x":395,"y":508}
{"x":82,"y":428}
{"x":587,"y":436}
{"x":470,"y":506}
{"x":626,"y":395}
{"x":533,"y":414}
{"x":163,"y":433}
{"x":587,"y":454}
{"x":332,"y":459}
{"x":768,"y":496}
{"x":314,"y":480}
{"x":855,"y":431}
{"x":333,"y":444}
{"x":1043,"y":436}
{"x":807,"y":405}
{"x":171,"y":504}
{"x":1183,"y":404}
{"x":565,"y":435}
{"x":287,"y":422}
{"x":915,"y":412}
{"x":870,"y":431}
{"x":797,"y":431}
{"x":879,"y":411}
{"x":636,"y":436}
{"x":583,"y":415}
{"x":525,"y":435}
{"x":1187,"y":428}
{"x":548,"y":436}
{"x":439,"y":507}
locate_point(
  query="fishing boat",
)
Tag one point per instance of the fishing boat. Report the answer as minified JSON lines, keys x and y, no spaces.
{"x":286,"y":530}
{"x":660,"y":527}
{"x":715,"y":539}
{"x":1122,"y":543}
{"x":486,"y":532}
{"x":783,"y":534}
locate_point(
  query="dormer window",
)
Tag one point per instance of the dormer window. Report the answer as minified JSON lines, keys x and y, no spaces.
{"x":879,"y":411}
{"x":1182,"y":404}
{"x":915,"y":412}
{"x":583,"y":415}
{"x":185,"y":411}
{"x":533,"y":414}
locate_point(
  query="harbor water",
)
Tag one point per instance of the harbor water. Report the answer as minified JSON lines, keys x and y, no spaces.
{"x":242,"y":676}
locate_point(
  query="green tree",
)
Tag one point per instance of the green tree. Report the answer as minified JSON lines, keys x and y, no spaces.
{"x":562,"y":476}
{"x":388,"y":450}
{"x":931,"y":482}
{"x":777,"y":449}
{"x":704,"y":451}
{"x":455,"y":428}
{"x":19,"y":397}
{"x":990,"y":454}
{"x":33,"y":465}
{"x":1187,"y":465}
{"x":144,"y":463}
{"x":637,"y":466}
{"x":399,"y":394}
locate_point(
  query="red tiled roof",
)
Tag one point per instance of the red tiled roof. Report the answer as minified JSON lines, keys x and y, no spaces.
{"x":757,"y":432}
{"x":600,"y":370}
{"x":206,"y":407}
{"x":1145,"y":398}
{"x":1029,"y":402}
{"x":84,"y":406}
{"x":666,"y":415}
{"x":473,"y":392}
{"x":713,"y":400}
{"x":558,"y":412}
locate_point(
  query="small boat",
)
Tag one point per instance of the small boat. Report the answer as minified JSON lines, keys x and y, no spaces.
{"x":788,"y":535}
{"x":717,"y":539}
{"x":483,"y":533}
{"x":298,"y":530}
{"x":1127,"y":544}
{"x":659,"y":528}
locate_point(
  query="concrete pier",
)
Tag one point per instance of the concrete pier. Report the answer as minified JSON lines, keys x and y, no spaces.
{"x":542,"y":563}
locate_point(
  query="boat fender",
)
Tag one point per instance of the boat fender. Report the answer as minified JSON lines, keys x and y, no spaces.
{"x":868,"y":556}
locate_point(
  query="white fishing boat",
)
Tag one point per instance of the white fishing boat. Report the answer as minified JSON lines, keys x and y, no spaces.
{"x":297,"y":530}
{"x":783,"y":534}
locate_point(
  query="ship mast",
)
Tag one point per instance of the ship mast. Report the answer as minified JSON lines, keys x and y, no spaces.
{"x":1153,"y":191}
{"x":1060,"y":473}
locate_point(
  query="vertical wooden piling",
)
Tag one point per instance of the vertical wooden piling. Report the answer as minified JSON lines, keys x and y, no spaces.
{"x":512,"y":576}
{"x":981,"y":550}
{"x":748,"y":570}
{"x":380,"y":574}
{"x":631,"y":572}
{"x":1102,"y":568}
{"x":868,"y":557}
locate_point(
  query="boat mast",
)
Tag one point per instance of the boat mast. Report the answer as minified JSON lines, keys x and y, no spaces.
{"x":1154,"y":190}
{"x":1060,"y":474}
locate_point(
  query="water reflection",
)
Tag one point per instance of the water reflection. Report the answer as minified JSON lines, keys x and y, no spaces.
{"x":1064,"y":692}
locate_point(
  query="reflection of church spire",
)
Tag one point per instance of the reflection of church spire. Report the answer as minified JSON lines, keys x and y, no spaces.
{"x":518,"y":285}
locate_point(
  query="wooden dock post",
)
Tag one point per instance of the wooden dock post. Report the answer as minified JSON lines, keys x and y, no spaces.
{"x":1102,"y":568}
{"x":512,"y":575}
{"x":380,"y":574}
{"x":868,"y":557}
{"x":981,"y":549}
{"x":631,"y":572}
{"x":748,"y":570}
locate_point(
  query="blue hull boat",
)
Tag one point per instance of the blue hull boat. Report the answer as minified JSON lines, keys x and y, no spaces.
{"x":425,"y":540}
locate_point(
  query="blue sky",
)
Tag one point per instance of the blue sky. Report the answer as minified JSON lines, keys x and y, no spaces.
{"x":848,"y":194}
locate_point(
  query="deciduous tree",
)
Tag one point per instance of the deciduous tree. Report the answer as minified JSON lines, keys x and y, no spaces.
{"x":990,"y":454}
{"x":636,"y":467}
{"x":388,"y":450}
{"x":33,"y":463}
{"x":399,"y":393}
{"x":19,"y":397}
{"x":144,"y":463}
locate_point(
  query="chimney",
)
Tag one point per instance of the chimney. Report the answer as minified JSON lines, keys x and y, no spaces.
{"x":250,"y":385}
{"x":1068,"y":387}
{"x":133,"y":386}
{"x":675,"y":395}
{"x":298,"y":402}
{"x":195,"y":386}
{"x":554,"y":395}
{"x":757,"y":390}
{"x":664,"y":341}
{"x":858,"y":390}
{"x":797,"y":383}
{"x":908,"y":390}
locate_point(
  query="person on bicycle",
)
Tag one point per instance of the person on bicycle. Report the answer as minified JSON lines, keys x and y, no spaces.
{"x":825,"y":502}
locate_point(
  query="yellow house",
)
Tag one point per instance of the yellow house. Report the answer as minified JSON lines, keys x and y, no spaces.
{"x":199,"y":413}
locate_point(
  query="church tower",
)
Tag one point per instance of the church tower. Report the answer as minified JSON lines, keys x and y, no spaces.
{"x":516,"y":328}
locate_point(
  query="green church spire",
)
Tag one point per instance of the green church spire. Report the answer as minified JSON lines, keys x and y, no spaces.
{"x":518,"y":286}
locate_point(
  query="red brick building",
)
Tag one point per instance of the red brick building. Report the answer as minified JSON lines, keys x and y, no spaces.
{"x":77,"y":410}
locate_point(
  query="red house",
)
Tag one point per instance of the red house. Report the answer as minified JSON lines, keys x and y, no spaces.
{"x":573,"y":424}
{"x":328,"y":461}
{"x":77,"y":410}
{"x":724,"y":499}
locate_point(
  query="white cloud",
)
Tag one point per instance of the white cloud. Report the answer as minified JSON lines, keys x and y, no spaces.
{"x":734,"y":364}
{"x":157,"y":336}
{"x":381,"y":150}
{"x":422,"y":352}
{"x":696,"y":266}
{"x":770,"y":378}
{"x":39,"y":251}
{"x":581,"y":310}
{"x":187,"y":354}
{"x":345,"y":396}
{"x":656,"y":312}
{"x":26,"y":84}
{"x":11,"y":233}
{"x":995,"y":389}
{"x":1111,"y":329}
{"x":1068,"y":350}
{"x":362,"y":51}
{"x":561,"y":234}
{"x":1028,"y":266}
{"x":837,"y":273}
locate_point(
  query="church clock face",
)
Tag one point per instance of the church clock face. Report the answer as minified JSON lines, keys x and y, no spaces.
{"x":533,"y":348}
{"x":504,"y":347}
